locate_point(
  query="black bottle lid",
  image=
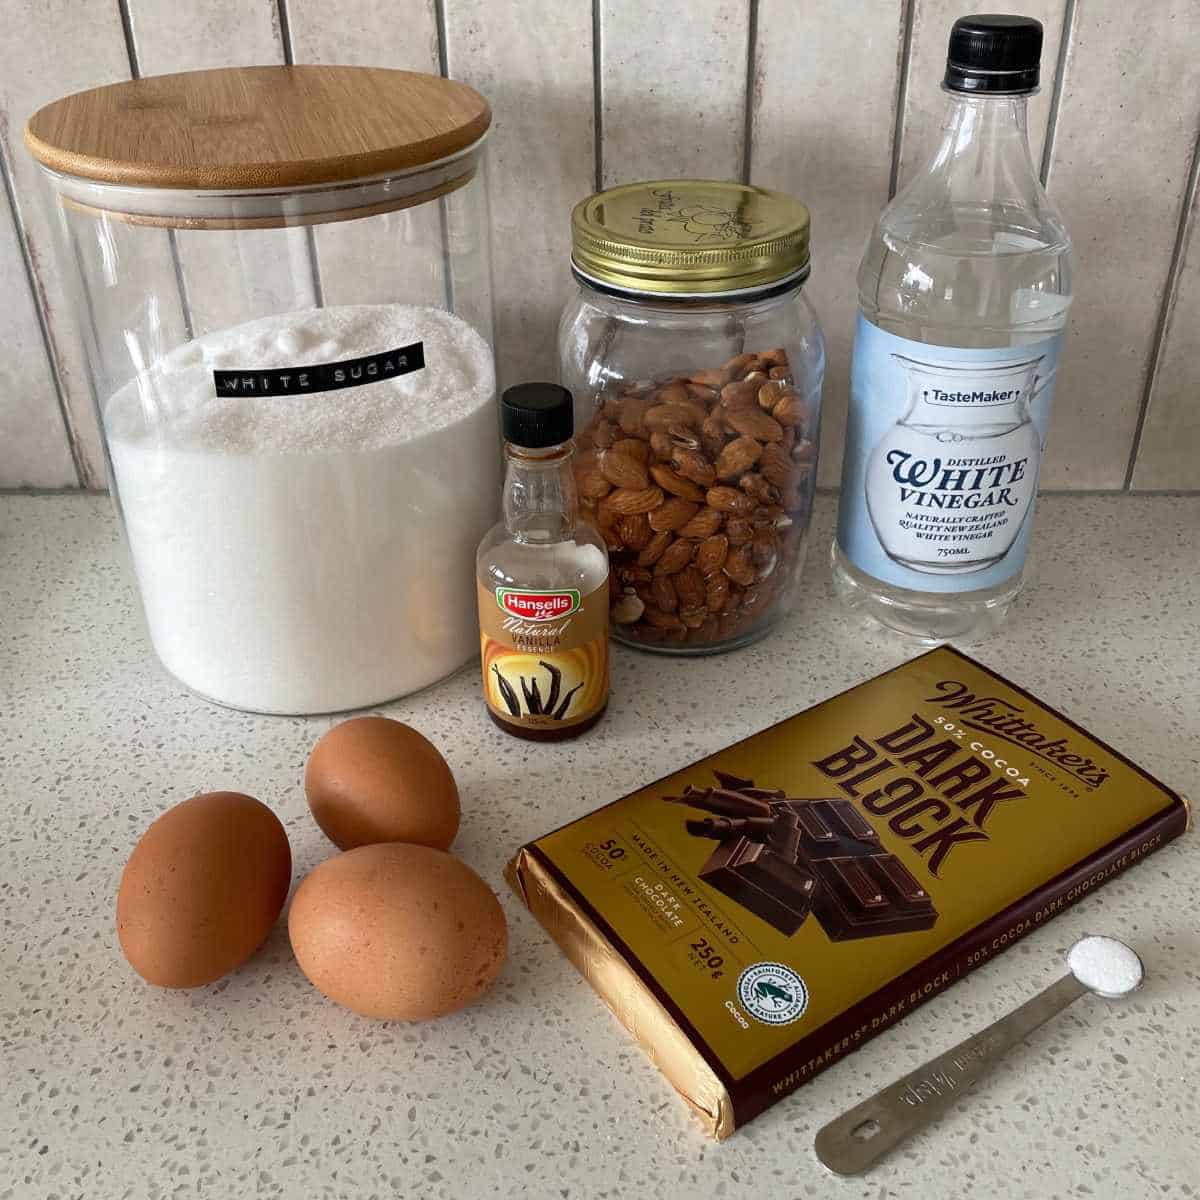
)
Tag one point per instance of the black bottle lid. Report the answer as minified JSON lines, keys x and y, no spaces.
{"x":995,"y":54}
{"x":535,"y":415}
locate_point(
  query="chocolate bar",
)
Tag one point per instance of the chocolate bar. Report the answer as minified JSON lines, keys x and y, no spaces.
{"x":722,"y":802}
{"x":756,"y":829}
{"x":754,"y":876}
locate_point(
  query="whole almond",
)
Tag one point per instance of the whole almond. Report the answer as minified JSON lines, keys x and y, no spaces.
{"x":672,"y":514}
{"x":739,"y":394}
{"x":711,"y":377}
{"x":739,"y":530}
{"x":712,"y":434}
{"x":705,"y":395}
{"x":634,"y":531}
{"x":710,"y":554}
{"x":662,"y":447}
{"x":739,"y":566}
{"x":762,"y":546}
{"x":654,"y":548}
{"x":690,"y":587}
{"x":661,"y":417}
{"x":622,"y":471}
{"x":753,"y":484}
{"x":708,"y":631}
{"x":662,"y":590}
{"x":703,"y":525}
{"x":776,"y":358}
{"x":672,"y":393}
{"x":739,"y":364}
{"x":753,"y":422}
{"x":737,"y":457}
{"x":634,"y":447}
{"x":717,"y":594}
{"x":661,"y":620}
{"x":626,"y":501}
{"x":691,"y":464}
{"x":632,"y":576}
{"x":776,"y":467}
{"x":693,"y":618}
{"x":604,"y":435}
{"x":790,"y":410}
{"x":676,"y":556}
{"x":730,"y":500}
{"x":591,"y":483}
{"x":779,"y":373}
{"x":632,"y":415}
{"x":770,"y":394}
{"x":677,"y":485}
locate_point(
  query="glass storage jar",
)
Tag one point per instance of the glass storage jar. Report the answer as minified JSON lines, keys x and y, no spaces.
{"x":696,"y":362}
{"x":284,"y":289}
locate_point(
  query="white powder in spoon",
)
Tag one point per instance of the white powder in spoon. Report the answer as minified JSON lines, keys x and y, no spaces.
{"x":1105,"y":965}
{"x":310,"y":553}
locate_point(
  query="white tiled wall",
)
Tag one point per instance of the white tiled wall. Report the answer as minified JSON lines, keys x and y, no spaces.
{"x":796,"y":96}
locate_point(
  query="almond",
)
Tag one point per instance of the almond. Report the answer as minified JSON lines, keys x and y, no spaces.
{"x":662,"y":447}
{"x":710,"y":554}
{"x":672,"y":393}
{"x":604,"y":435}
{"x":781,"y":373}
{"x":691,"y":464}
{"x":634,"y":447}
{"x":739,"y":364}
{"x":672,"y":514}
{"x":770,"y":394}
{"x":775,"y":358}
{"x":690,"y":588}
{"x":738,"y":457}
{"x":711,"y":377}
{"x":591,"y":483}
{"x":776,"y":467}
{"x":662,"y":591}
{"x":622,"y":471}
{"x":661,"y":417}
{"x":661,"y":620}
{"x":762,"y":547}
{"x":669,"y":481}
{"x":705,"y":395}
{"x":703,"y":525}
{"x":739,"y":530}
{"x":654,"y":548}
{"x":676,"y":556}
{"x":730,"y":500}
{"x":628,"y":608}
{"x":717,"y":593}
{"x":693,"y":618}
{"x":790,"y":410}
{"x":632,"y":415}
{"x":634,"y":531}
{"x":712,"y":435}
{"x":753,"y":422}
{"x":739,"y":566}
{"x":754,"y":485}
{"x":631,"y":576}
{"x":737,"y":395}
{"x":707,"y":632}
{"x":627,"y":501}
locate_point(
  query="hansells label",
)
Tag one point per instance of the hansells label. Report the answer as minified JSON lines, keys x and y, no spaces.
{"x":545,"y":655}
{"x":320,"y":377}
{"x":943,"y":448}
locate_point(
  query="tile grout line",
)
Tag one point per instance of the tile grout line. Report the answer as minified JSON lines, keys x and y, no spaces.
{"x":83,"y":474}
{"x":1166,"y":308}
{"x":751,"y":88}
{"x":310,"y":238}
{"x":598,"y":92}
{"x":907,"y":21}
{"x":1056,"y":92}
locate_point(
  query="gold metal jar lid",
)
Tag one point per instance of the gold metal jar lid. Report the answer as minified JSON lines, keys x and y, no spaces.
{"x":690,"y":237}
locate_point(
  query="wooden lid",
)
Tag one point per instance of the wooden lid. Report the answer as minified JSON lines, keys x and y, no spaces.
{"x":257,"y":127}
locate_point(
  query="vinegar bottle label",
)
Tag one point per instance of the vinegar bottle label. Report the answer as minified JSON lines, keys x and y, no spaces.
{"x":943,"y":446}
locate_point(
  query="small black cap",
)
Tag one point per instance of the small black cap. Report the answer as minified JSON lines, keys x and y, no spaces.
{"x":995,"y":54}
{"x":535,"y":415}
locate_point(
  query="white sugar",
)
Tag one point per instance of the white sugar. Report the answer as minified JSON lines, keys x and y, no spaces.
{"x":1105,"y":965}
{"x":315,"y":552}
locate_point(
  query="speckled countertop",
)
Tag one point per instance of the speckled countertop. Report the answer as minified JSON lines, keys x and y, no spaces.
{"x":257,"y":1086}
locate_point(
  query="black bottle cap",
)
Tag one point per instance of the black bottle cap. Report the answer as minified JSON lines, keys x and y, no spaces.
{"x":535,"y":415}
{"x":995,"y":54}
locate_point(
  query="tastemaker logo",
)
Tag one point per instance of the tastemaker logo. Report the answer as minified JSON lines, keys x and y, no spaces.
{"x":1004,"y":720}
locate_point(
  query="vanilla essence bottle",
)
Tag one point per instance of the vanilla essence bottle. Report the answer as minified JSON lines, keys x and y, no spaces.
{"x":963,"y":292}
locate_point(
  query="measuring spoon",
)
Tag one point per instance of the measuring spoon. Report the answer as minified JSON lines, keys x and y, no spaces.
{"x":862,"y":1136}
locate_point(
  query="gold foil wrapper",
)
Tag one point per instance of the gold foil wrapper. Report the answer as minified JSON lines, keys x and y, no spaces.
{"x":631,"y":1001}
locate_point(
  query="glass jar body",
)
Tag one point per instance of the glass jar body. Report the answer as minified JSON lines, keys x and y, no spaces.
{"x":698,"y":423}
{"x":296,"y":394}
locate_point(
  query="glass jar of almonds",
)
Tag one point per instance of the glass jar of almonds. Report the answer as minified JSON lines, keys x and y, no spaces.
{"x":696,"y":362}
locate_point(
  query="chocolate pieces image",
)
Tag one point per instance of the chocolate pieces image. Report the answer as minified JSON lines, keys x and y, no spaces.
{"x":781,"y":858}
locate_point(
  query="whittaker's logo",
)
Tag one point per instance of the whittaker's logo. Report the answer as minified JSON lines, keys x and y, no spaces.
{"x":538,"y":606}
{"x":1003,"y":720}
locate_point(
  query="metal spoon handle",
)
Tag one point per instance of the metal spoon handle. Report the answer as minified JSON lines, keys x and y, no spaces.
{"x":864,"y":1134}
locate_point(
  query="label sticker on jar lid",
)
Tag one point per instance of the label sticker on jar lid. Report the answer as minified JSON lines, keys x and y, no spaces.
{"x":320,"y":377}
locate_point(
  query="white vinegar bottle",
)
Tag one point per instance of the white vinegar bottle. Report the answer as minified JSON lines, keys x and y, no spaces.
{"x":963,"y":291}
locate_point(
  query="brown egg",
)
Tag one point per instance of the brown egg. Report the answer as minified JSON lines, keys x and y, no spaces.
{"x":202,"y":889}
{"x":371,"y":779}
{"x":398,"y":932}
